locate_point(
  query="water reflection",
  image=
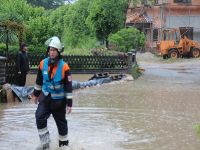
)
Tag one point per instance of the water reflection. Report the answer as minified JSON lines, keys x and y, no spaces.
{"x":89,"y":129}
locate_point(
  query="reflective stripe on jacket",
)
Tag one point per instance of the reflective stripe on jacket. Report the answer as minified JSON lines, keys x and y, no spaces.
{"x":54,"y":86}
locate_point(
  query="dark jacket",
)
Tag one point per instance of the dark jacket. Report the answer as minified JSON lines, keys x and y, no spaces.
{"x":22,"y":63}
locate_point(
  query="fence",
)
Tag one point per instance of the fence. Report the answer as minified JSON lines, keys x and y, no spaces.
{"x":2,"y":70}
{"x":2,"y":77}
{"x":88,"y":64}
{"x":78,"y":64}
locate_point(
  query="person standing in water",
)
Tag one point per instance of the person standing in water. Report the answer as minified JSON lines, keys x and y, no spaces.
{"x":22,"y":65}
{"x":53,"y":94}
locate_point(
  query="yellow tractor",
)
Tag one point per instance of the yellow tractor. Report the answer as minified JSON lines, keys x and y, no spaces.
{"x":174,"y":45}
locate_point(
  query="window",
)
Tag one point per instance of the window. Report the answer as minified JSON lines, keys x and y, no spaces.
{"x":187,"y":31}
{"x":155,"y":34}
{"x":182,"y":1}
{"x":144,"y":2}
{"x":156,"y":2}
{"x":166,"y":35}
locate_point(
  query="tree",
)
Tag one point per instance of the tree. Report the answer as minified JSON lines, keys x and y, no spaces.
{"x":127,"y":39}
{"x":47,"y":4}
{"x":14,"y":15}
{"x":39,"y":30}
{"x":106,"y":17}
{"x":76,"y":30}
{"x":56,"y":18}
{"x":11,"y":21}
{"x":51,"y":23}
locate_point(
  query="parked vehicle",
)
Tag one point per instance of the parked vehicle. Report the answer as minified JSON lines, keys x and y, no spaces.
{"x":174,"y":45}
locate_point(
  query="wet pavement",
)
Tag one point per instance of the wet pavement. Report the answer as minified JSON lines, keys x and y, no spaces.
{"x":156,"y":112}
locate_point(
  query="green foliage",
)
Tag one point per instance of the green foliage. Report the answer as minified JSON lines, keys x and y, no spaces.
{"x":8,"y":36}
{"x":76,"y":30}
{"x":150,"y":2}
{"x":106,"y":17}
{"x":35,"y":12}
{"x":37,"y":49}
{"x":18,"y":11}
{"x":56,"y":19}
{"x":2,"y":47}
{"x":48,"y":4}
{"x":13,"y":15}
{"x":39,"y":30}
{"x":12,"y":48}
{"x":135,"y":71}
{"x":9,"y":14}
{"x":79,"y":25}
{"x":127,"y":39}
{"x":8,"y":11}
{"x":197,"y":128}
{"x":43,"y":27}
{"x":140,"y":2}
{"x":31,"y":48}
{"x":77,"y":51}
{"x":83,"y":48}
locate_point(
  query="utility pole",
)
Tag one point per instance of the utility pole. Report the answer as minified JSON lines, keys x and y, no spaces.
{"x":161,"y":16}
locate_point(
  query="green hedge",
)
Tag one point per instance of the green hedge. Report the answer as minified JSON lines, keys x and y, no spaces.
{"x":15,"y":48}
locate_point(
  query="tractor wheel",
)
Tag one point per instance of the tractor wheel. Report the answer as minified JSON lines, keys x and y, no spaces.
{"x":173,"y":53}
{"x":195,"y":52}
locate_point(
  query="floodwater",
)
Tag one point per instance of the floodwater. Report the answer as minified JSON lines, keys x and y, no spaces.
{"x":156,"y":112}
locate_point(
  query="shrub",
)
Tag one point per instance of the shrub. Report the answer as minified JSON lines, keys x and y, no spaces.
{"x":136,"y":71}
{"x":127,"y":39}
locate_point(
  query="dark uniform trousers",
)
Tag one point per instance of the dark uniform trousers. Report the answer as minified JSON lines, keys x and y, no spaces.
{"x":21,"y":79}
{"x":57,"y":108}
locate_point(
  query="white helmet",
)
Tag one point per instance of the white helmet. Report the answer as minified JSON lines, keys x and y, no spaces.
{"x":55,"y":42}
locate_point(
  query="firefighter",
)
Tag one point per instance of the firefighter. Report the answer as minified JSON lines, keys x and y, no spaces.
{"x":53,"y":94}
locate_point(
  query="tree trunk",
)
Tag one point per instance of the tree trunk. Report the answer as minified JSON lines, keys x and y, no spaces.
{"x":7,"y":40}
{"x":107,"y":43}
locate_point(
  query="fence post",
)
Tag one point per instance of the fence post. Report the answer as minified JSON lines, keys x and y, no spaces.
{"x":131,"y":59}
{"x":2,"y":70}
{"x":2,"y":77}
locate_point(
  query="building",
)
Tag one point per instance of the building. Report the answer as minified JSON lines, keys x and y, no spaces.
{"x":153,"y":18}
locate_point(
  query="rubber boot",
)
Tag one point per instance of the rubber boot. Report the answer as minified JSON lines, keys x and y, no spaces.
{"x":43,"y":147}
{"x":63,"y":143}
{"x":45,"y":141}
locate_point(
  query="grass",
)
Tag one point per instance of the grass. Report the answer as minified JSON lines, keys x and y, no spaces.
{"x":136,"y":73}
{"x":197,"y":128}
{"x":77,"y":51}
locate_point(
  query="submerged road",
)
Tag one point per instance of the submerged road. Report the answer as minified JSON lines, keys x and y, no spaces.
{"x":156,"y":112}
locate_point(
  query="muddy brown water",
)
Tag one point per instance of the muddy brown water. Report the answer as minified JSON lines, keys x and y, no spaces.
{"x":156,"y":112}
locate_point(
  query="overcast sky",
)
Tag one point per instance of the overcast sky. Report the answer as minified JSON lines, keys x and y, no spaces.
{"x":69,"y":1}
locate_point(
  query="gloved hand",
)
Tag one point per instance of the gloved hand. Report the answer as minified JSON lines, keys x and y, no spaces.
{"x":68,"y":110}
